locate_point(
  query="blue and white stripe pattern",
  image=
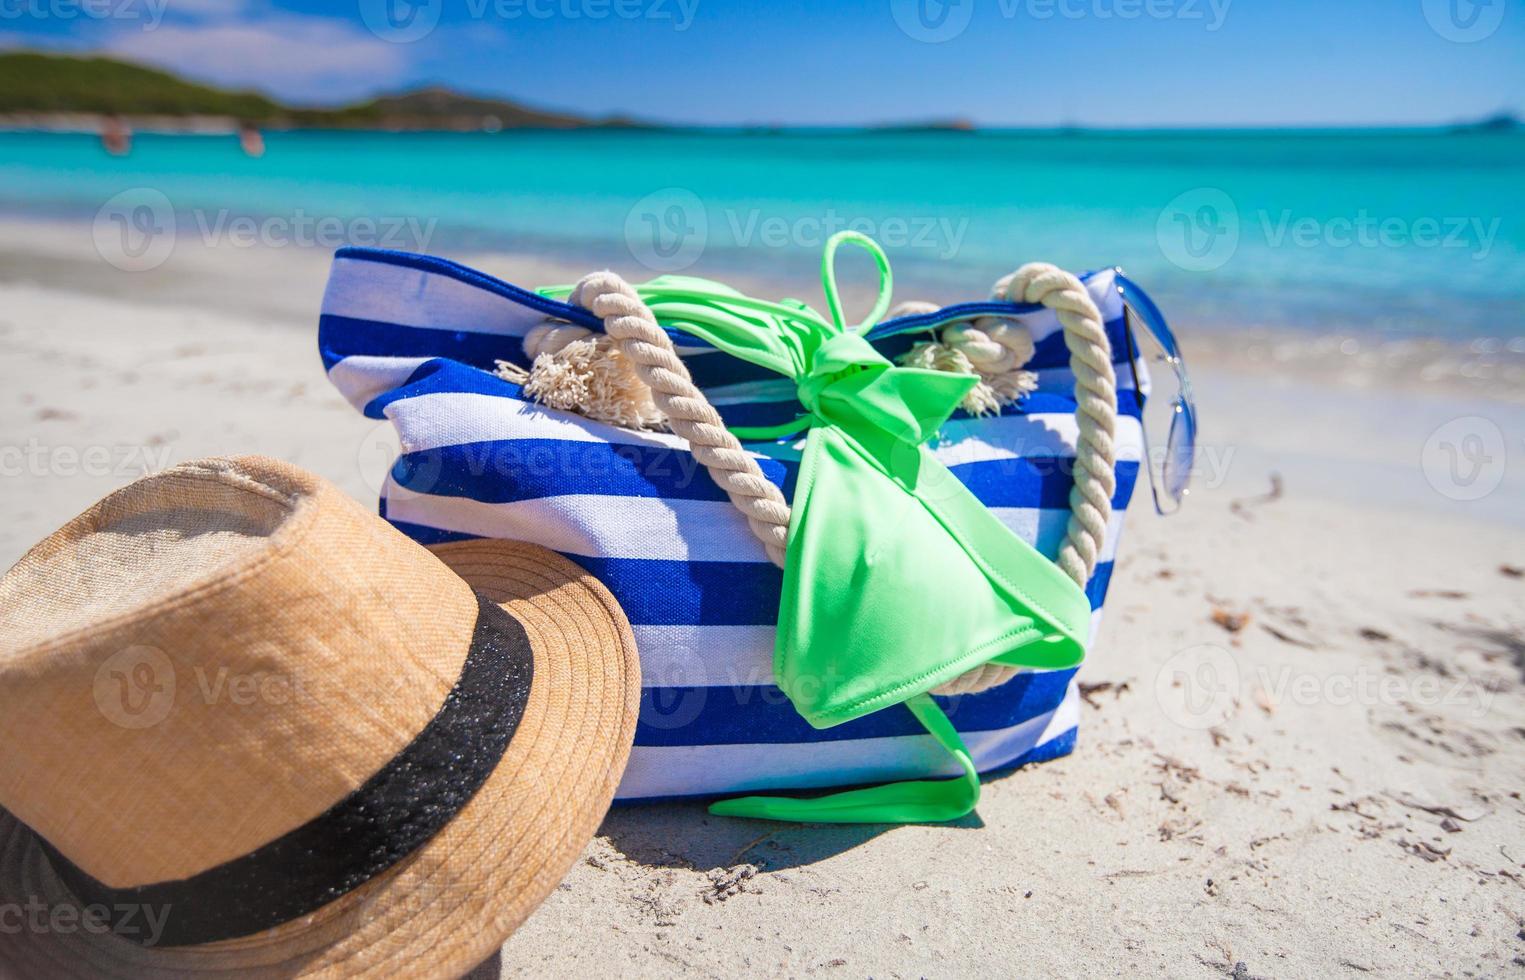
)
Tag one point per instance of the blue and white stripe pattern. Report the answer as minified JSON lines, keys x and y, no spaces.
{"x":413,"y":339}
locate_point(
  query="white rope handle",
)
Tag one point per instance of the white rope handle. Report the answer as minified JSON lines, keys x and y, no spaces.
{"x":1085,"y":334}
{"x":650,"y":351}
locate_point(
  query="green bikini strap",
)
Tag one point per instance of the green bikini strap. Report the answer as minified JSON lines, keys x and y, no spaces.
{"x":914,"y":801}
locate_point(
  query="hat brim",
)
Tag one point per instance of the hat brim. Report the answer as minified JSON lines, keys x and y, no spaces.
{"x":452,"y":903}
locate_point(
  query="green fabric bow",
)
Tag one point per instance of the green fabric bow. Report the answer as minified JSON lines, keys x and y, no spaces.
{"x":896,"y":578}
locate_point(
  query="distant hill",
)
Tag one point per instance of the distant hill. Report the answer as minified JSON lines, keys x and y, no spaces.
{"x":443,"y":108}
{"x":1503,"y":122}
{"x":36,"y":85}
{"x":40,"y":83}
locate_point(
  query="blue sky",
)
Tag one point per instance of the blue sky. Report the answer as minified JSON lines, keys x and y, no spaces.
{"x":995,"y":62}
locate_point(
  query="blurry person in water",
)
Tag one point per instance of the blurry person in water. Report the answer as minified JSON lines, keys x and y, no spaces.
{"x":250,"y":139}
{"x":116,"y":136}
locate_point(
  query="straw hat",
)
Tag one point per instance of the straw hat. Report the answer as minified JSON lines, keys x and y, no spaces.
{"x":247,"y":726}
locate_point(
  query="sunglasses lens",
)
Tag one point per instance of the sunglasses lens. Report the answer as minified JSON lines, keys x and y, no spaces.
{"x":1180,"y":451}
{"x":1169,"y":474}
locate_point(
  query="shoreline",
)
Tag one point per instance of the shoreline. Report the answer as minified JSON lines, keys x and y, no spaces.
{"x":214,"y":123}
{"x":59,"y":252}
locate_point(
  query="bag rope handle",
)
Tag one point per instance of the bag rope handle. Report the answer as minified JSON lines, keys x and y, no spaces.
{"x":1085,"y":334}
{"x":649,"y":350}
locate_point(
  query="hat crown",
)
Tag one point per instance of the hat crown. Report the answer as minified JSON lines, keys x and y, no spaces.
{"x":210,"y":658}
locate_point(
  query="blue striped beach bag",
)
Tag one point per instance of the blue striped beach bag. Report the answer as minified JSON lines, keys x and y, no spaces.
{"x":439,"y":350}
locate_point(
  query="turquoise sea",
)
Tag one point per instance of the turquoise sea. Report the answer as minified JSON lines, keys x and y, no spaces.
{"x":1394,"y":234}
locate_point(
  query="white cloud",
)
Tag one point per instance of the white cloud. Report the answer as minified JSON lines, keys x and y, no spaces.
{"x":221,"y":9}
{"x":306,"y":59}
{"x":216,"y":9}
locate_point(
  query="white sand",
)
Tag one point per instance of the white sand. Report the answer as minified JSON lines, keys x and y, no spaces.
{"x":1355,"y":810}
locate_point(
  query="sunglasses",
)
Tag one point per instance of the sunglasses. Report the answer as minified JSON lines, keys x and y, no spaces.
{"x":1169,"y":480}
